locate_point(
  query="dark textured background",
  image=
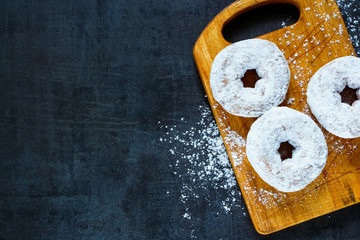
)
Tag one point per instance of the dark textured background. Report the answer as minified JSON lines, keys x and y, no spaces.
{"x":83,"y":85}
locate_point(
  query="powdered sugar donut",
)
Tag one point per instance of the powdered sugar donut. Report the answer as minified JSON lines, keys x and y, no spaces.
{"x":282,"y":124}
{"x":323,"y":96}
{"x":231,"y":64}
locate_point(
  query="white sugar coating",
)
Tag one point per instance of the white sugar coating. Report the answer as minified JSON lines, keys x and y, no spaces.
{"x":323,"y":96}
{"x":282,"y":124}
{"x":231,"y":64}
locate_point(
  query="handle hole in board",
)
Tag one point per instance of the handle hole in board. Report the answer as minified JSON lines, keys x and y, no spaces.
{"x":260,"y":21}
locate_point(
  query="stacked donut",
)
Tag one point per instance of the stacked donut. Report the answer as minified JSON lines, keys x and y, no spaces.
{"x":278,"y":125}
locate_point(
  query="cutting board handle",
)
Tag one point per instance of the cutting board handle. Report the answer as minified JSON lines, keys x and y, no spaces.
{"x":239,"y":7}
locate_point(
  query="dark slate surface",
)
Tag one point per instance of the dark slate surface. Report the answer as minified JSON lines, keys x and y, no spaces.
{"x":83,"y":85}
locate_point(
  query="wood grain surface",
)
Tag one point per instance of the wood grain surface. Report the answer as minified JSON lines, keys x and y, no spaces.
{"x":318,"y":37}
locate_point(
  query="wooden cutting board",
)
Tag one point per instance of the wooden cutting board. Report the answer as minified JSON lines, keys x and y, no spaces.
{"x":318,"y":37}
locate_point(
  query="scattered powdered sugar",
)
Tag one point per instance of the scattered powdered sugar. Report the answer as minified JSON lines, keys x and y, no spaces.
{"x":350,"y":12}
{"x":338,"y":145}
{"x":199,"y":159}
{"x":270,"y":199}
{"x":234,"y":141}
{"x":291,"y":101}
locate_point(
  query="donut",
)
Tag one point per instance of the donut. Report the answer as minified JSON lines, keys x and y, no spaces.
{"x":229,"y":67}
{"x":324,"y":99}
{"x":279,"y":125}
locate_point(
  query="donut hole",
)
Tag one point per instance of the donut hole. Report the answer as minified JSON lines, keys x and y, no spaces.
{"x":250,"y":78}
{"x":348,"y":95}
{"x":286,"y":150}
